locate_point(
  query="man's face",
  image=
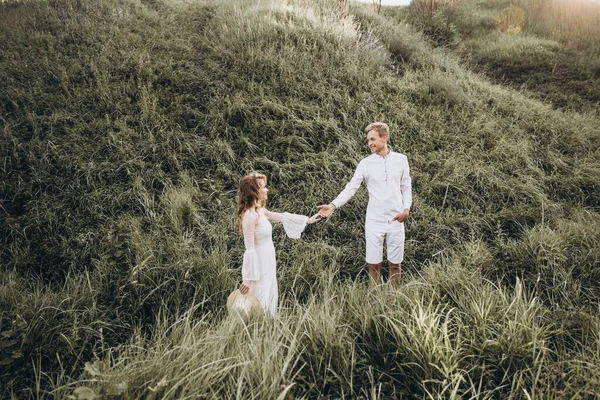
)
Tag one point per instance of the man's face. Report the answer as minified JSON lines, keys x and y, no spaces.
{"x":375,"y":142}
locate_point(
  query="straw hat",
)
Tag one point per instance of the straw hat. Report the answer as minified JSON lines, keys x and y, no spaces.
{"x":240,"y":303}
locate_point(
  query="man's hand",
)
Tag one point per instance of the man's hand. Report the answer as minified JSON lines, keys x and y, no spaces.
{"x":326,"y":210}
{"x":314,"y":219}
{"x":402,"y":216}
{"x":245,"y":287}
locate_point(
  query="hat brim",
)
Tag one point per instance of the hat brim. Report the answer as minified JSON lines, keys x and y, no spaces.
{"x":242,"y":303}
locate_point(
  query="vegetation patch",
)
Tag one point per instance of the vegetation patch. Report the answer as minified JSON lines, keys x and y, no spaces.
{"x":125,"y":127}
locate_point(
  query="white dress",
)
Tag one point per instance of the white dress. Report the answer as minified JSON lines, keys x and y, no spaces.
{"x":259,"y":266}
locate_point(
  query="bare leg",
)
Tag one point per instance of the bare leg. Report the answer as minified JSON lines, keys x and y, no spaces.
{"x":395,"y":271}
{"x":375,"y":273}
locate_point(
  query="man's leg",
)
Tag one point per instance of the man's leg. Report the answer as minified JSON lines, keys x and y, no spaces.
{"x":395,"y":273}
{"x":375,"y":273}
{"x":395,"y":248}
{"x":374,"y":238}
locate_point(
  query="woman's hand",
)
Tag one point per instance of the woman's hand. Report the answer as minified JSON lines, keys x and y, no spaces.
{"x":314,"y":219}
{"x":245,"y":287}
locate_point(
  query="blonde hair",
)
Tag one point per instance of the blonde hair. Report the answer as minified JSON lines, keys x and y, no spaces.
{"x":249,"y":195}
{"x":380,"y":127}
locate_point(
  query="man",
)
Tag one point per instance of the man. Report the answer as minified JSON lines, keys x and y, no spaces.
{"x":387,"y":176}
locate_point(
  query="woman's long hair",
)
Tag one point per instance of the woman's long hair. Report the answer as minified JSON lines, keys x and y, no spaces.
{"x":249,"y":195}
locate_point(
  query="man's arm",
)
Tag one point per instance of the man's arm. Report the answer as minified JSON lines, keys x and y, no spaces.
{"x":346,"y":194}
{"x":406,"y":185}
{"x":406,"y":190}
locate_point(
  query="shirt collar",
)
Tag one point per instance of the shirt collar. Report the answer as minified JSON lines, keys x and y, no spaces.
{"x":382,"y":157}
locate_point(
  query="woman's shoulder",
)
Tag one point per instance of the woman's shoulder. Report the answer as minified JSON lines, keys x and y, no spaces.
{"x":251,"y":213}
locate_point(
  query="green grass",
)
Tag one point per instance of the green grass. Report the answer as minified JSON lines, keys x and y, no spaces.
{"x":125,"y":127}
{"x":547,"y":49}
{"x":447,"y":334}
{"x":552,"y":52}
{"x":507,"y":50}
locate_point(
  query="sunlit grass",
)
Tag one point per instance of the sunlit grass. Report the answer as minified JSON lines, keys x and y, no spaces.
{"x":548,"y":48}
{"x":575,"y":22}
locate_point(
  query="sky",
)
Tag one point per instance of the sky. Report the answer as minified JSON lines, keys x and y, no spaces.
{"x":389,"y":2}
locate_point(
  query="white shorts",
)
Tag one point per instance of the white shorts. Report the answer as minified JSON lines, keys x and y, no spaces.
{"x":393,"y":234}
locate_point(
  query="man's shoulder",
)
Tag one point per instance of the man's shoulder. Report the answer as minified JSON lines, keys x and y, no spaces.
{"x":397,"y":155}
{"x":366,"y":160}
{"x":370,"y":157}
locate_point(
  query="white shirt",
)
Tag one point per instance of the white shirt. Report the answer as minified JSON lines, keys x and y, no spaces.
{"x":388,"y":182}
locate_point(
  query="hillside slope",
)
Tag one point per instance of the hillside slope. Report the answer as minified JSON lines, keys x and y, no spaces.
{"x":547,"y":49}
{"x":126,"y":126}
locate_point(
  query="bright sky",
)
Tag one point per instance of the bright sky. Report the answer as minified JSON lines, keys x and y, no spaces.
{"x":389,"y":2}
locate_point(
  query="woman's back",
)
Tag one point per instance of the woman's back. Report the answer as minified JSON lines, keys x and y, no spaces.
{"x":256,"y":224}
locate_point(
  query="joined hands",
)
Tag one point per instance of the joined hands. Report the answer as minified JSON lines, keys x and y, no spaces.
{"x":314,"y":219}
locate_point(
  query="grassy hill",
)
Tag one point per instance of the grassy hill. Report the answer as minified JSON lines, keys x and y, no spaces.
{"x":124,"y":129}
{"x":550,"y":49}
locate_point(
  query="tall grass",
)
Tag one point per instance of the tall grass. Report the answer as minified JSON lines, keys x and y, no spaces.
{"x":436,"y":18}
{"x":412,"y":342}
{"x":125,"y":129}
{"x":574,"y":22}
{"x":547,"y":47}
{"x":530,"y":53}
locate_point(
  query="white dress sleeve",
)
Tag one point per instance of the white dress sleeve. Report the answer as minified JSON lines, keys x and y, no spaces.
{"x":293,"y":224}
{"x":250,"y":267}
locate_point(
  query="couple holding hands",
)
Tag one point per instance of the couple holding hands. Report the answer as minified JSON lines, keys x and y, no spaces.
{"x":386,"y":174}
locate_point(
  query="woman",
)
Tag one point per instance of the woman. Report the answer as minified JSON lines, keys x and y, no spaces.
{"x":259,"y":266}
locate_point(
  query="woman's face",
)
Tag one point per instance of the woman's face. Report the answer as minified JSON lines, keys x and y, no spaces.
{"x":263,"y":191}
